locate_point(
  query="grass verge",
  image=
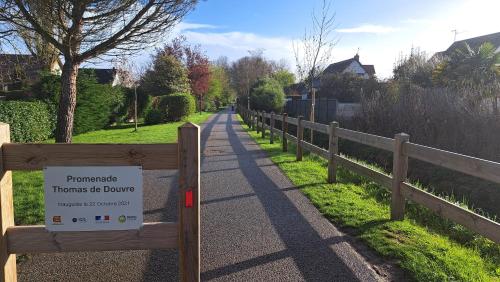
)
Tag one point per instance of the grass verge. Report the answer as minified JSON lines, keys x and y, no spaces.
{"x":424,"y":245}
{"x":28,"y":185}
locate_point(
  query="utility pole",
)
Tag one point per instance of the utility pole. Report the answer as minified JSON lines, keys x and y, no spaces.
{"x":454,"y":34}
{"x":135,"y":106}
{"x":313,"y":105}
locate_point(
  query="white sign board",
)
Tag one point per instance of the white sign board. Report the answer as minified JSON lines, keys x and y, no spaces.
{"x":93,"y":198}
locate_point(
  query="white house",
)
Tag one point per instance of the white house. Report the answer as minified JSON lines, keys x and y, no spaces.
{"x":352,"y":65}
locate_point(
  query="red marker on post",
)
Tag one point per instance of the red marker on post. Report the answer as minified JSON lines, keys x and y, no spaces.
{"x":189,"y":198}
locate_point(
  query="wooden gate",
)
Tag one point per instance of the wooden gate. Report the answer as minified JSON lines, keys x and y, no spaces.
{"x":184,"y":234}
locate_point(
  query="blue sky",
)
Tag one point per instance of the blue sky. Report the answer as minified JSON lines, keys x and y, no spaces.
{"x":382,"y":30}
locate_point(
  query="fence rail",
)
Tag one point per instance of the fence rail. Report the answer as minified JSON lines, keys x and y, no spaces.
{"x":402,"y":149}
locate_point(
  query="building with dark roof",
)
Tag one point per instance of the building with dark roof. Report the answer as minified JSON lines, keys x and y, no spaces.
{"x":352,"y":65}
{"x":17,"y":70}
{"x":107,"y":76}
{"x":474,"y":43}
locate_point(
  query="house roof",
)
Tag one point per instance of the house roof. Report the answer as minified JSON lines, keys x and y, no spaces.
{"x":370,"y":69}
{"x":103,"y":76}
{"x":16,"y":67}
{"x":474,"y":43}
{"x":339,"y":67}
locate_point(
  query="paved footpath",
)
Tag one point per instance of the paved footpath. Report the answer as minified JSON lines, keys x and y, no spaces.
{"x":255,"y":226}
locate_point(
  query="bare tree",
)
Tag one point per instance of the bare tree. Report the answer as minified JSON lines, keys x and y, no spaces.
{"x":313,"y":51}
{"x":247,"y":70}
{"x":88,"y":29}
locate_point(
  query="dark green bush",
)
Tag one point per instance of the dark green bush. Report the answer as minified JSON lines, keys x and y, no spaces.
{"x":96,"y":104}
{"x":267,"y":95}
{"x":153,"y":116}
{"x":175,"y":107}
{"x":29,"y":121}
{"x":48,"y":88}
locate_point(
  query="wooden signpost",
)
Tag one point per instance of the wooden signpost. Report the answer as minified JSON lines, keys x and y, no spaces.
{"x":184,"y":235}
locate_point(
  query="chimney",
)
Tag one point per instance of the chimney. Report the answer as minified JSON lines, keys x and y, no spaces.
{"x":356,"y":57}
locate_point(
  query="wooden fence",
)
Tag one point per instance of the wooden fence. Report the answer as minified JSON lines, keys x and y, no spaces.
{"x":402,"y":149}
{"x":184,"y":235}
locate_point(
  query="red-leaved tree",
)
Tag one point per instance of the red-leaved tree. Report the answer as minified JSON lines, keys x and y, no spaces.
{"x":196,"y":62}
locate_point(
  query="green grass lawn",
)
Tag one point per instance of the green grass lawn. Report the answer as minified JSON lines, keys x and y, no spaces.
{"x":426,"y":246}
{"x":28,"y":186}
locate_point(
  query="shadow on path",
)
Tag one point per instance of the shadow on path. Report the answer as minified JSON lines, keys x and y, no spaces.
{"x":310,"y":252}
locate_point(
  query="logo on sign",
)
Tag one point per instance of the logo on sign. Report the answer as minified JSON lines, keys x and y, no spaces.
{"x":56,"y":219}
{"x":122,"y":219}
{"x":102,"y":219}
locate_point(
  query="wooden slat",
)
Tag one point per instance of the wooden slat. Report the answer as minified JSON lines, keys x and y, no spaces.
{"x":36,"y":239}
{"x":291,"y":138}
{"x":333,"y":150}
{"x":189,"y":202}
{"x":284,"y":133}
{"x":367,"y":139}
{"x":291,"y":120}
{"x":323,"y":128}
{"x":443,"y":208}
{"x":399,"y":175}
{"x":315,"y":149}
{"x":275,"y":130}
{"x":378,"y":177}
{"x":466,"y":164}
{"x":37,"y":156}
{"x":8,"y":261}
{"x":271,"y":127}
{"x":299,"y":152}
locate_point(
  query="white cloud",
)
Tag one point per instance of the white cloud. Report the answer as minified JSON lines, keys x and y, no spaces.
{"x":369,"y":28}
{"x":182,"y":26}
{"x":236,"y":44}
{"x":418,"y":21}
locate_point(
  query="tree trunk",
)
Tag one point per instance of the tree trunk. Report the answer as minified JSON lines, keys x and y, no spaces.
{"x":201,"y":103}
{"x":67,"y":102}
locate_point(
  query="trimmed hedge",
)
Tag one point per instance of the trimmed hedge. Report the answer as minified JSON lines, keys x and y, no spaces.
{"x":29,"y":121}
{"x":153,"y":116}
{"x":97,"y":105}
{"x":175,"y":107}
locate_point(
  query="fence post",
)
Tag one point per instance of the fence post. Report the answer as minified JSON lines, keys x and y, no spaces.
{"x":333,"y":150}
{"x":252,"y":116}
{"x":300,"y":138}
{"x":399,"y":173}
{"x":189,"y":202}
{"x":284,"y":129}
{"x":257,"y":123}
{"x":271,"y":132}
{"x":8,"y":270}
{"x":263,"y":113}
